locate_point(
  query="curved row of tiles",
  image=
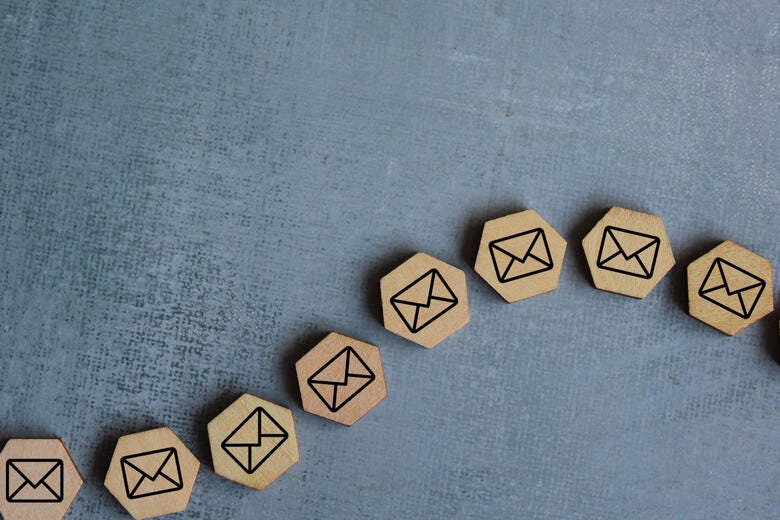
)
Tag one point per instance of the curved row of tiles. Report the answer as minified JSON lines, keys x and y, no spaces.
{"x":253,"y":441}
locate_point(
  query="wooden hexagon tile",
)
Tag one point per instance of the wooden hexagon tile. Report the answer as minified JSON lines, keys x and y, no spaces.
{"x":730,"y":288}
{"x":38,"y":479}
{"x":628,"y":252}
{"x":152,"y":473}
{"x":424,"y":300}
{"x":253,"y":441}
{"x":520,"y":256}
{"x":341,"y":379}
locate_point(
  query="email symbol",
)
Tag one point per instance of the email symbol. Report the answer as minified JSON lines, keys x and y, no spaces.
{"x":628,"y":252}
{"x":341,"y":379}
{"x":33,"y":480}
{"x":732,"y":288}
{"x":521,"y":255}
{"x":254,"y":440}
{"x":151,"y":473}
{"x":424,"y":300}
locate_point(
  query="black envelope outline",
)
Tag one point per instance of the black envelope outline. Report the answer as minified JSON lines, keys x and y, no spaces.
{"x":125,"y":461}
{"x":11,"y":463}
{"x":655,"y":242}
{"x":495,"y":244}
{"x":259,"y":410}
{"x":759,"y":283}
{"x":411,"y":326}
{"x":369,"y":379}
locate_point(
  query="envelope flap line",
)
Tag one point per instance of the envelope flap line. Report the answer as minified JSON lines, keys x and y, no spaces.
{"x":439,"y":290}
{"x":737,"y":279}
{"x":426,"y":304}
{"x":351,"y":370}
{"x":743,"y":289}
{"x":274,"y":429}
{"x":326,"y":382}
{"x":630,"y":246}
{"x":394,"y":300}
{"x":713,"y":280}
{"x":527,"y":250}
{"x":40,"y":480}
{"x":356,"y":367}
{"x":417,"y":292}
{"x":712,"y":289}
{"x":144,"y":470}
{"x":325,"y":373}
{"x":359,"y":376}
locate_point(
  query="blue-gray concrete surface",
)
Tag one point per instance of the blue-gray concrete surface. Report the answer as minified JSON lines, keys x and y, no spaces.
{"x":193,"y":193}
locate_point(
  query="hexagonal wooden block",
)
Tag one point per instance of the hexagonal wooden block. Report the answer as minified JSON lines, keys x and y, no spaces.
{"x":152,"y":473}
{"x":341,"y":379}
{"x":628,"y":252}
{"x":38,"y":479}
{"x":253,"y":441}
{"x":520,"y":256}
{"x":424,"y":300}
{"x":730,"y":288}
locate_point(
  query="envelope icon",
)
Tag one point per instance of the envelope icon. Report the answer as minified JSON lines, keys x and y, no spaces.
{"x":628,"y":252}
{"x":33,"y":480}
{"x":732,"y":288}
{"x":151,"y":473}
{"x":424,"y":300}
{"x":341,"y":379}
{"x":520,"y":255}
{"x":254,"y":440}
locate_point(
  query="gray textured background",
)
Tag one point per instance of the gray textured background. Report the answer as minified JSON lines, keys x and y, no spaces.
{"x":192,"y":194}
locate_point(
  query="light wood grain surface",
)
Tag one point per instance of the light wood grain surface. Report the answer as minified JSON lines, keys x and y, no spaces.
{"x":730,"y":288}
{"x":424,"y":300}
{"x":38,"y":479}
{"x":253,"y":441}
{"x":152,"y":473}
{"x":341,"y":378}
{"x":628,"y":252}
{"x":520,"y":256}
